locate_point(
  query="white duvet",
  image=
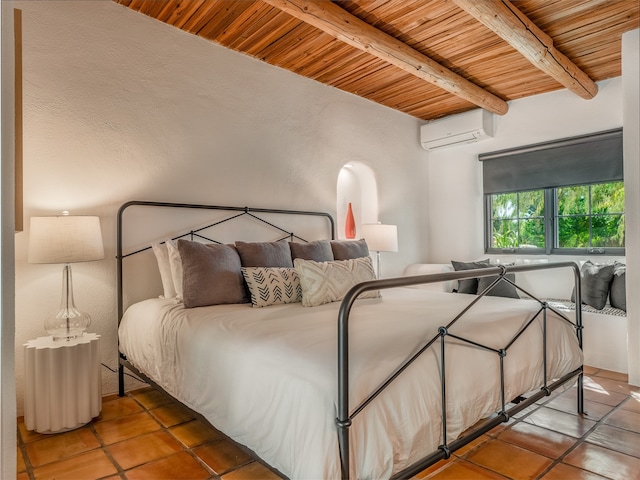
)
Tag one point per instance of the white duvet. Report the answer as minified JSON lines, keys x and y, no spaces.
{"x":267,"y":377}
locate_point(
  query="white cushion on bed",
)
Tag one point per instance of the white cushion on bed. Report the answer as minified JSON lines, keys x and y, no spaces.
{"x":176,"y":267}
{"x":272,"y":285}
{"x":324,"y":282}
{"x":162,"y":257}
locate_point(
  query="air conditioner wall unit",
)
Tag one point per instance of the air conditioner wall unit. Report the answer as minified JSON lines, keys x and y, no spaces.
{"x":467,"y":127}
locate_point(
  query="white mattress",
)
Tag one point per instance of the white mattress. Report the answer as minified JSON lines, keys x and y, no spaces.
{"x":267,"y":377}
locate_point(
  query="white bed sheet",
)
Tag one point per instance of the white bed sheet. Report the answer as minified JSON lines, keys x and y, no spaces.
{"x":267,"y":377}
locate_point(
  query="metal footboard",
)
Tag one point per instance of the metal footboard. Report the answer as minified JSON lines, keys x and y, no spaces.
{"x":345,"y":417}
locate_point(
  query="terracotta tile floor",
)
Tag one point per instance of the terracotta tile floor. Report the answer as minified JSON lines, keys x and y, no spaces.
{"x":145,"y":435}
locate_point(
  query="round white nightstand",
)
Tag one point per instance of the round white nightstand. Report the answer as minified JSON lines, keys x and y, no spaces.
{"x":63,"y":389}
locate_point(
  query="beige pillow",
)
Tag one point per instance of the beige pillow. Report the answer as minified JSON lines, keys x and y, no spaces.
{"x":175,"y":263}
{"x":272,"y":286}
{"x":211,"y":274}
{"x":162,"y":257}
{"x":324,"y":282}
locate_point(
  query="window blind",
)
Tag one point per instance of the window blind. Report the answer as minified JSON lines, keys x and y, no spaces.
{"x":592,"y":158}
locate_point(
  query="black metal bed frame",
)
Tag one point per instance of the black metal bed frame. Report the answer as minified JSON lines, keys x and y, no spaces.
{"x":344,"y":416}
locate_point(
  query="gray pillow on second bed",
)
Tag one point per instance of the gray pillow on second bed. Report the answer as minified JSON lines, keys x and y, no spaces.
{"x":596,"y":280}
{"x":500,"y":289}
{"x":469,"y":285}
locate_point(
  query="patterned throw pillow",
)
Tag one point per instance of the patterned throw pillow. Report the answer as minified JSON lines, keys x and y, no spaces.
{"x":272,"y":285}
{"x":324,"y":282}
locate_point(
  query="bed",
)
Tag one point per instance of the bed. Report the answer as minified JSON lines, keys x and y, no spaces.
{"x":354,"y":388}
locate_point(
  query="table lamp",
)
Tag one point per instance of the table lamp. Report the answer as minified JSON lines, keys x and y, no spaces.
{"x":380,"y":238}
{"x":65,"y":239}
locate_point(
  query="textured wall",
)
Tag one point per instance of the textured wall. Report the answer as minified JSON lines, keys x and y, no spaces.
{"x":119,"y":107}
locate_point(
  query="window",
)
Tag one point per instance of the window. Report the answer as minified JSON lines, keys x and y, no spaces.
{"x":580,"y":219}
{"x":591,"y":216}
{"x":564,"y":196}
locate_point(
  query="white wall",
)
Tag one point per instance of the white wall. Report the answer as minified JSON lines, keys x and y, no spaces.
{"x":119,"y":107}
{"x":455,"y":201}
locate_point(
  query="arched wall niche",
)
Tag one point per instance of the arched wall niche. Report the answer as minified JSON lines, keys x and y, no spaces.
{"x":356,"y":184}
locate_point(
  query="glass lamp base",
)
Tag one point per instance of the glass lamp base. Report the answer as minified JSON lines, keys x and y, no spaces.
{"x":68,"y":322}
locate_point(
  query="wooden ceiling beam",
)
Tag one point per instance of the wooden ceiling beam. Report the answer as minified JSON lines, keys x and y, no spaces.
{"x":521,"y":33}
{"x":348,"y":28}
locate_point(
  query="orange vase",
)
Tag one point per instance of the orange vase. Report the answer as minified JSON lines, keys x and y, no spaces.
{"x":350,"y":224}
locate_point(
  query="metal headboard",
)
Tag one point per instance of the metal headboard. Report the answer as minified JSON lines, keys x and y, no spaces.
{"x":240,"y":212}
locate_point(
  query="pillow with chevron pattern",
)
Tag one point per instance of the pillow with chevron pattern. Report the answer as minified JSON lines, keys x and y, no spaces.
{"x":324,"y":282}
{"x":272,"y":285}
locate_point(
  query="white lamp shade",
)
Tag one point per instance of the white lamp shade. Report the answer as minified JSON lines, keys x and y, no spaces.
{"x":380,"y":238}
{"x":65,"y":239}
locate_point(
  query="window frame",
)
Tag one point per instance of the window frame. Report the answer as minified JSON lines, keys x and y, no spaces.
{"x":550,"y":233}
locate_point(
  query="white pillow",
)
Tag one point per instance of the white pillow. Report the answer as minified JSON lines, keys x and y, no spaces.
{"x":162,"y":257}
{"x":175,"y":264}
{"x":324,"y":282}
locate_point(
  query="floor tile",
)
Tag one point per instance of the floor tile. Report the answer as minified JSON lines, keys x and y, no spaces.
{"x":509,"y":460}
{"x":595,"y":392}
{"x":605,"y":462}
{"x":614,"y":386}
{"x":28,"y":435}
{"x":561,"y":422}
{"x":222,"y":455}
{"x":118,"y":407}
{"x":172,"y":414}
{"x":536,"y":439}
{"x":180,"y":466}
{"x":86,"y":466}
{"x":252,"y":471}
{"x":616,"y":439}
{"x":624,"y":419}
{"x":195,"y":433}
{"x":590,"y":370}
{"x":123,"y":428}
{"x":464,"y":470}
{"x":143,"y":449}
{"x":621,"y":377}
{"x":22,"y":476}
{"x":472,"y":445}
{"x":567,"y":472}
{"x":151,"y":398}
{"x":61,"y":446}
{"x":567,"y":402}
{"x":435,"y":468}
{"x":632,"y":404}
{"x":20,"y":465}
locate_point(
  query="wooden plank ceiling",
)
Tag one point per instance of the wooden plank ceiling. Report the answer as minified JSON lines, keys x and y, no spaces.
{"x":426,"y":58}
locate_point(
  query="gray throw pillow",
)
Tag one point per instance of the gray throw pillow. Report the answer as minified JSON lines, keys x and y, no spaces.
{"x":349,"y":249}
{"x":211,"y":274}
{"x":618,"y":292}
{"x":318,"y":251}
{"x":596,"y":280}
{"x":469,"y":285}
{"x":265,"y":254}
{"x":500,"y":289}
